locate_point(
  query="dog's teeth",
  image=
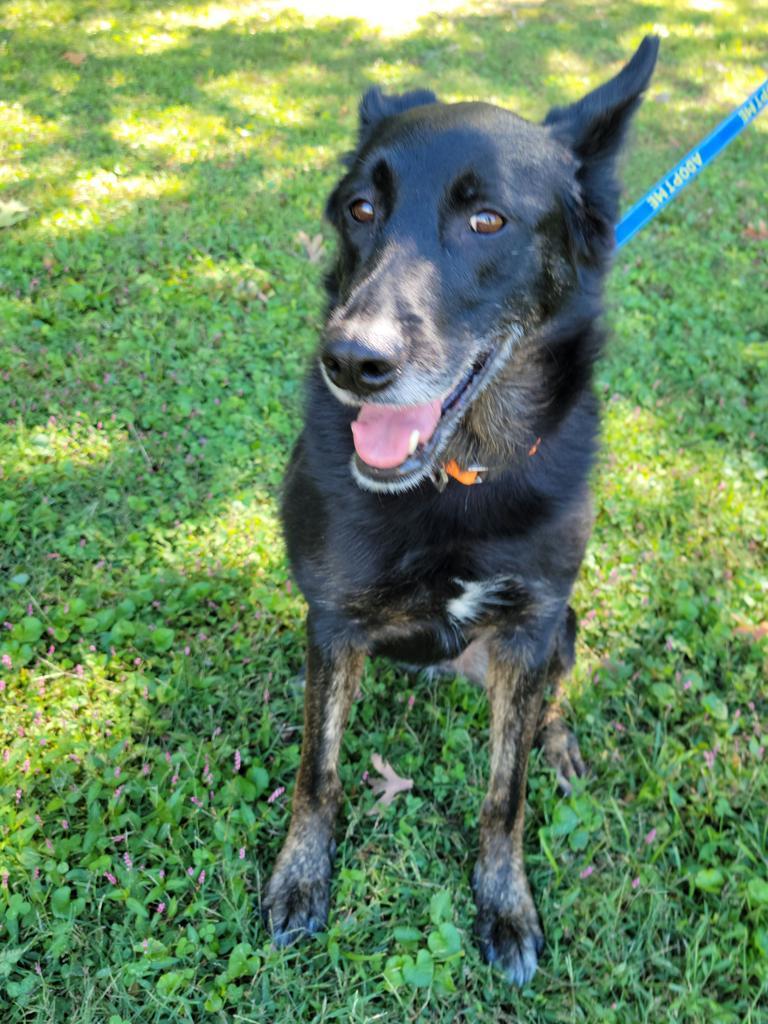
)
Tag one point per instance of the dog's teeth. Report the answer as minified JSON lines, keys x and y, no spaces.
{"x":413,"y":442}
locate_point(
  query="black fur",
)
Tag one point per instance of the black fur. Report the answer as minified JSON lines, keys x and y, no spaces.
{"x":418,"y":293}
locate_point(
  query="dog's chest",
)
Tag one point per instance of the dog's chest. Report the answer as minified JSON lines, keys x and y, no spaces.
{"x":445,"y":599}
{"x":429,"y":618}
{"x":478,"y":598}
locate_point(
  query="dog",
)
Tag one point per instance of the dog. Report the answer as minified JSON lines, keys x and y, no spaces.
{"x":436,"y":506}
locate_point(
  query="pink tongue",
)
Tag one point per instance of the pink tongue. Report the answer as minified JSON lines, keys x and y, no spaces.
{"x":382,"y":433}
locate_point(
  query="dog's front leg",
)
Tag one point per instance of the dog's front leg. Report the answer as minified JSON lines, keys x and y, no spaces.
{"x":295,"y":901}
{"x":507,"y":925}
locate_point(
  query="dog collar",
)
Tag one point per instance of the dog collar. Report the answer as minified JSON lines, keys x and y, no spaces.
{"x":469,"y":476}
{"x":472,"y":474}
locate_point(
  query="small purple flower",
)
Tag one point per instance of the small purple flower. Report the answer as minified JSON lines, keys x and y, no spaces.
{"x":110,"y":878}
{"x":276,"y":794}
{"x":650,"y":836}
{"x":160,"y":908}
{"x":635,"y":882}
{"x":587,"y":871}
{"x":238,"y":761}
{"x":127,"y":860}
{"x":241,"y":853}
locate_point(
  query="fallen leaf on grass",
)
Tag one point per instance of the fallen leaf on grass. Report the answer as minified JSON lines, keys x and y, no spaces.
{"x":313,"y":247}
{"x":758,"y":233}
{"x":755,"y":631}
{"x":12,"y":212}
{"x":74,"y":58}
{"x":389,"y":785}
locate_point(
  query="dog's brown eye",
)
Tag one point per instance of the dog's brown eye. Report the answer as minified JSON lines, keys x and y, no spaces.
{"x":486,"y":222}
{"x":362,"y":211}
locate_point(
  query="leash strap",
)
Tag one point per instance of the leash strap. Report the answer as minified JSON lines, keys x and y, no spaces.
{"x":668,"y":188}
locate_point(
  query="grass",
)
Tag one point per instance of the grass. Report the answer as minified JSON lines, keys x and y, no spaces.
{"x":156,"y":311}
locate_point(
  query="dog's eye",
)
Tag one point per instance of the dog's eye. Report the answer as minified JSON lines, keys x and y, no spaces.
{"x":362,"y":211}
{"x":486,"y":222}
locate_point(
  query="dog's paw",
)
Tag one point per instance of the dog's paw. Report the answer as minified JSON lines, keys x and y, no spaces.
{"x":561,"y":749}
{"x":295,"y":901}
{"x":507,"y":927}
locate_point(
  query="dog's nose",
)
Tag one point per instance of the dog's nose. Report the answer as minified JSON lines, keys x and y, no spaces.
{"x":354,"y":367}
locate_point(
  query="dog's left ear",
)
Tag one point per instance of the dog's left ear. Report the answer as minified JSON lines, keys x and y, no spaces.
{"x":594,"y":129}
{"x":375,"y":106}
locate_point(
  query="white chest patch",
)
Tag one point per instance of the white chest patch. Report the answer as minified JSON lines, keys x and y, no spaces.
{"x":477,"y":595}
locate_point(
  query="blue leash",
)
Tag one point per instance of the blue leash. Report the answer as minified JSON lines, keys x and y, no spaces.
{"x":669,"y":187}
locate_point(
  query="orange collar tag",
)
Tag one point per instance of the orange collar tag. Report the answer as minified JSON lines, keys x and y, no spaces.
{"x":464,"y":476}
{"x":474,"y":476}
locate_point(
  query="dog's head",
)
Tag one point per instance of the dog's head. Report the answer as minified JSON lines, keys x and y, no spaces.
{"x":465,"y":231}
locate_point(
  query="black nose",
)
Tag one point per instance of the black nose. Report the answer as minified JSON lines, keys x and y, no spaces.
{"x":354,"y":367}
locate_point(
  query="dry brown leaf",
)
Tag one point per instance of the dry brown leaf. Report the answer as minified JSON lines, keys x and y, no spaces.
{"x":389,"y":785}
{"x":758,"y":233}
{"x":313,"y":247}
{"x":74,"y":58}
{"x":754,"y":631}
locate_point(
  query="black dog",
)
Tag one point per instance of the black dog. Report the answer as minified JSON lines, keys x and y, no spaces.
{"x":436,"y":507}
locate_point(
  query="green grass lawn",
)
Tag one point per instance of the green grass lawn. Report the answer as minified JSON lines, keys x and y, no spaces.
{"x":157,"y":309}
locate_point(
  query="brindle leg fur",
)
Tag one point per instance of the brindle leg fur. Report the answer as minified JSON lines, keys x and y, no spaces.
{"x":507,"y":924}
{"x":295,"y":901}
{"x":560,"y":746}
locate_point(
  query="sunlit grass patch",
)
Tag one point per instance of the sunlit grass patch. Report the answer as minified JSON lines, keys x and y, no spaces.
{"x":185,"y":132}
{"x":78,"y":442}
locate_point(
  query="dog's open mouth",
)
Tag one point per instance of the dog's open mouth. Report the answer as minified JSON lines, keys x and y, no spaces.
{"x":396,"y":446}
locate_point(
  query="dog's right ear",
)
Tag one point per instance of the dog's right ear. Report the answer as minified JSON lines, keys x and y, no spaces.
{"x":375,"y":107}
{"x":594,"y":129}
